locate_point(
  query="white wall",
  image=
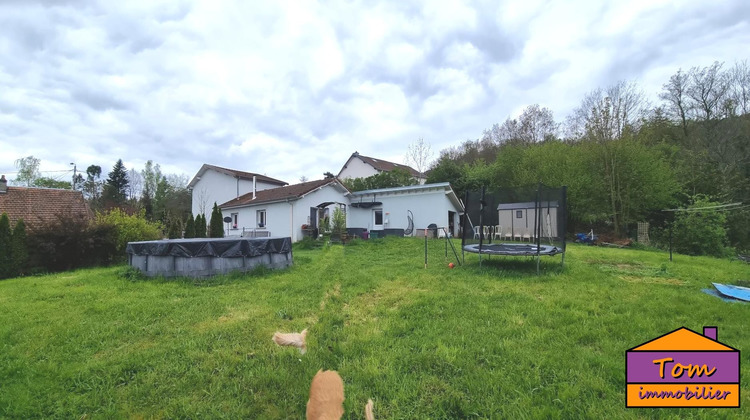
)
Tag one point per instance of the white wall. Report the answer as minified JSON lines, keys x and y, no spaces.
{"x":428,"y":207}
{"x":219,"y":187}
{"x":510,"y":223}
{"x":285,"y":218}
{"x":356,"y":168}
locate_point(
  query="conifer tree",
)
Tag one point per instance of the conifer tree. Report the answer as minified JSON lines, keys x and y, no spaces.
{"x":200,"y":226}
{"x":190,"y":227}
{"x":217,"y":224}
{"x":116,"y":186}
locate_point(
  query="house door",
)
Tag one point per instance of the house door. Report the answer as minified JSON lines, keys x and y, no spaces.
{"x":313,"y":218}
{"x":377,"y":219}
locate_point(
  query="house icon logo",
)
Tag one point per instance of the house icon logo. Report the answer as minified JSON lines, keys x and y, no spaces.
{"x":683,"y":369}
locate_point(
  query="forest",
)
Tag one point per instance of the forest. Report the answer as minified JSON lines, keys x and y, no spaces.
{"x":625,"y":160}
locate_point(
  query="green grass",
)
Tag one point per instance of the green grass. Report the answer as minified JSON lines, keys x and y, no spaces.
{"x":495,"y":341}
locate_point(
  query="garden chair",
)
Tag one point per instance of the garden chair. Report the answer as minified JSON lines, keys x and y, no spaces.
{"x":476,"y":232}
{"x":498,"y":234}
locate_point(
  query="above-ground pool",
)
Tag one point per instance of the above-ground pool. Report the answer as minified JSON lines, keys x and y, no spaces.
{"x":202,"y":257}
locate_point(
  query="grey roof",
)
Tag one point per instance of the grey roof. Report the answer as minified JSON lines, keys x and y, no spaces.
{"x":526,"y":205}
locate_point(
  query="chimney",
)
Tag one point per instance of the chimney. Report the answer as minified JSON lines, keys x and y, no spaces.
{"x":254,"y":187}
{"x":710,"y":332}
{"x":3,"y":185}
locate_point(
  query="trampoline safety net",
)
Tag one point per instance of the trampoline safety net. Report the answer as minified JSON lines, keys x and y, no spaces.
{"x":515,"y":221}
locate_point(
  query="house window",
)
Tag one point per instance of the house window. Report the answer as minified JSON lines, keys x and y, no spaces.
{"x":342,"y":207}
{"x":378,"y":215}
{"x":261,"y":218}
{"x":519,"y":214}
{"x":235,"y":218}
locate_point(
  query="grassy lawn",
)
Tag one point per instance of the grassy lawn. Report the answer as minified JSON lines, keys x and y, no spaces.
{"x":495,"y":341}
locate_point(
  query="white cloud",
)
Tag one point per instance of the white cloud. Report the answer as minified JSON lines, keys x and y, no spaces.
{"x":293,"y":88}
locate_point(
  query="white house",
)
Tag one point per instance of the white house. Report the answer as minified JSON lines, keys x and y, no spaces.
{"x":282,"y":211}
{"x":391,"y":208}
{"x":359,"y":166}
{"x":214,"y":184}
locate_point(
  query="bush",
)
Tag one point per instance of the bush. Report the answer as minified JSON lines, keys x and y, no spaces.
{"x":339,"y":222}
{"x":6,"y":259}
{"x":129,"y":228}
{"x":70,"y":242}
{"x":700,"y":232}
{"x":19,"y":250}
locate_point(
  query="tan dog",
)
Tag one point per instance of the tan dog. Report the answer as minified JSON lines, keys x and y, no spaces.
{"x":292,"y":339}
{"x":326,"y":396}
{"x":368,"y":411}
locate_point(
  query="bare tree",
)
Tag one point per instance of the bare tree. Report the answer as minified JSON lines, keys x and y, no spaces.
{"x":135,"y":187}
{"x":303,"y":179}
{"x":606,"y":114}
{"x":419,"y":154}
{"x":707,"y":91}
{"x":201,"y":196}
{"x":740,"y":87}
{"x":674,"y":92}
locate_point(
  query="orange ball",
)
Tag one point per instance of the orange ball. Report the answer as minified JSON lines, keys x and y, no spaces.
{"x":450,"y":265}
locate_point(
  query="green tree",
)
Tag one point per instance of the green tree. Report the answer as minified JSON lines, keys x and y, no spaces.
{"x":190,"y":227}
{"x":700,"y":231}
{"x":217,"y":224}
{"x":28,"y":171}
{"x":338,"y":225}
{"x":129,"y":228}
{"x":6,"y":256}
{"x":93,"y":185}
{"x":200,"y":226}
{"x":116,"y":186}
{"x":175,"y":229}
{"x":46,"y":182}
{"x":19,"y":248}
{"x":396,"y":178}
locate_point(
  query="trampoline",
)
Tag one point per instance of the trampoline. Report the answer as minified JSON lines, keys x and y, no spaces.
{"x":528,"y":250}
{"x":515,"y":222}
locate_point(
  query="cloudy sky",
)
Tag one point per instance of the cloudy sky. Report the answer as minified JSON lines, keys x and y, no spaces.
{"x":291,"y":89}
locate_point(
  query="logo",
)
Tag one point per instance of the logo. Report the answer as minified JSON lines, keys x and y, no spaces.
{"x":683,"y":369}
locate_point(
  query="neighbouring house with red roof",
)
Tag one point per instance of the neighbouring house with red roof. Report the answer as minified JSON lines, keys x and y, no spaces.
{"x":214,"y":184}
{"x":359,"y":166}
{"x":38,"y":206}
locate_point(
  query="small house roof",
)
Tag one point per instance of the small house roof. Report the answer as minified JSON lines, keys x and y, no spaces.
{"x":235,"y":173}
{"x":445,"y":186}
{"x":289,"y":192}
{"x":380,"y":164}
{"x":37,"y":206}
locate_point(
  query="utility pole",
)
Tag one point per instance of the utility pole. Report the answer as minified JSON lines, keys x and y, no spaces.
{"x":73,"y":184}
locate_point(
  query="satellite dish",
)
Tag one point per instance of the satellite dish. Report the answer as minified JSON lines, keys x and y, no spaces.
{"x":227,"y":219}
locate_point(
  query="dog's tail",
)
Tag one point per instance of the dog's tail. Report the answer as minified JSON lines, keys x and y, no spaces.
{"x":292,"y":339}
{"x":368,"y":411}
